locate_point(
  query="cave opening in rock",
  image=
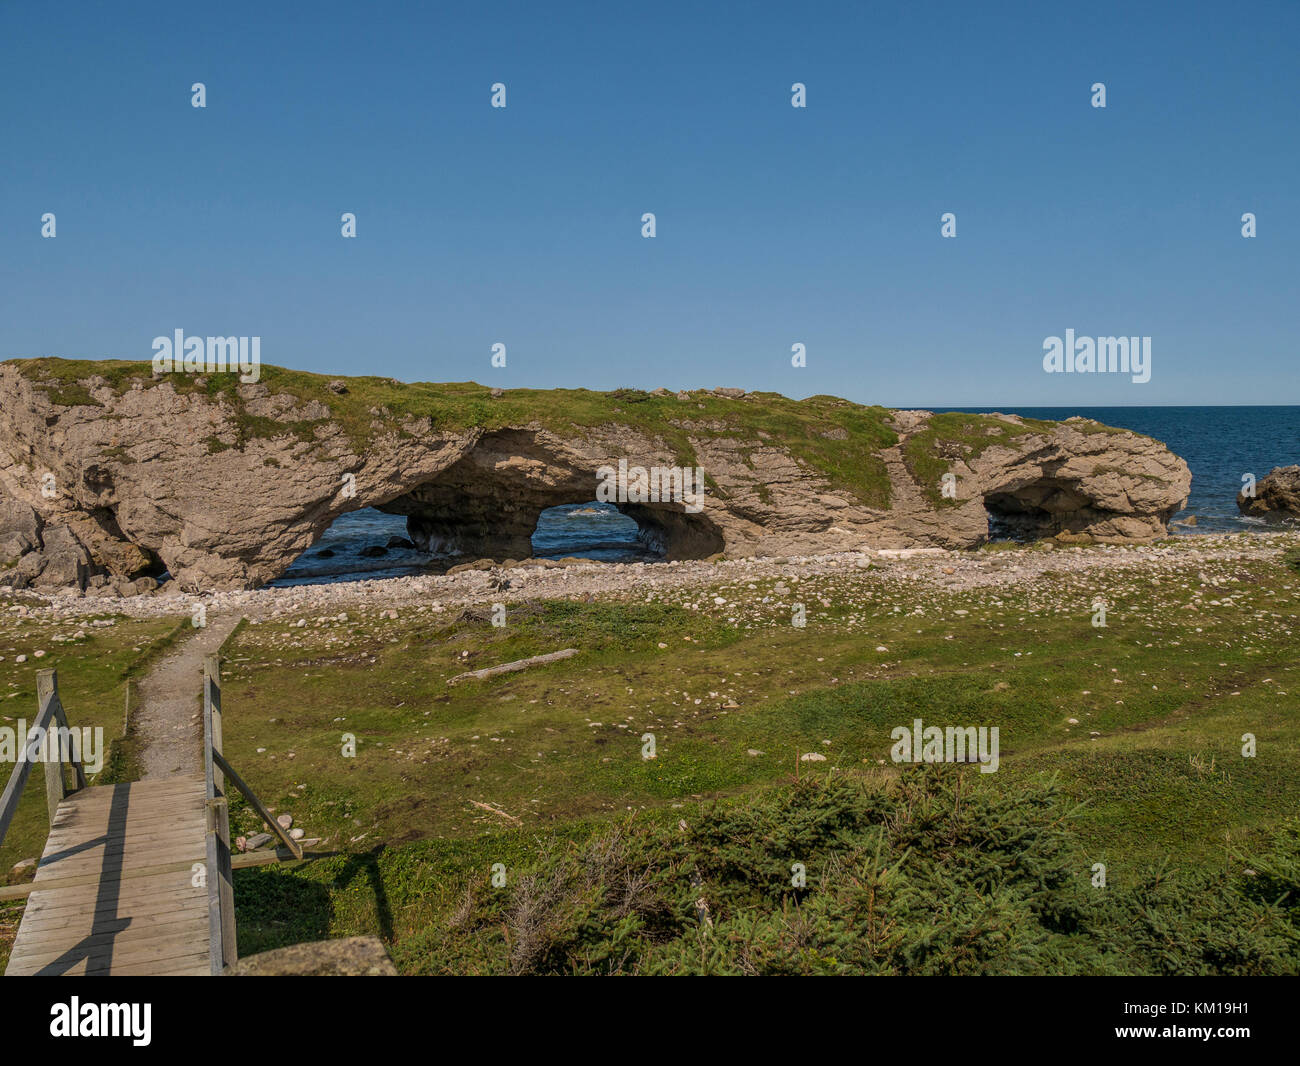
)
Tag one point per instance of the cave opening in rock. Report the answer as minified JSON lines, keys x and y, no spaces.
{"x":370,"y":543}
{"x":362,"y":544}
{"x":1011,"y":519}
{"x":1035,"y":510}
{"x":592,"y":531}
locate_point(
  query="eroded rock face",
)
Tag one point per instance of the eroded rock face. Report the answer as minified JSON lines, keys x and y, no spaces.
{"x":1277,"y":495}
{"x":106,"y":496}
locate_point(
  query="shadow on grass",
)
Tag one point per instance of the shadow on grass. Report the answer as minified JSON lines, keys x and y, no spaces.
{"x":276,"y":907}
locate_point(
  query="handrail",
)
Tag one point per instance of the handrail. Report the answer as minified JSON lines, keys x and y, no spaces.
{"x":263,"y":813}
{"x":49,"y":712}
{"x":221,"y":892}
{"x":220,"y":879}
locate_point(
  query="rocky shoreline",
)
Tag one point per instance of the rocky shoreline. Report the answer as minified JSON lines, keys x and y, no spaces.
{"x":927,"y":570}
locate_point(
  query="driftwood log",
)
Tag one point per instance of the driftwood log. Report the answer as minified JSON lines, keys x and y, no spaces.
{"x":510,"y":668}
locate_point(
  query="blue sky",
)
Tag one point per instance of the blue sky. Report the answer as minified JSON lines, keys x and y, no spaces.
{"x":776,"y":225}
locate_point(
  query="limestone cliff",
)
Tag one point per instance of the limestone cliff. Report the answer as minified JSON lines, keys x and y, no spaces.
{"x":111,"y":475}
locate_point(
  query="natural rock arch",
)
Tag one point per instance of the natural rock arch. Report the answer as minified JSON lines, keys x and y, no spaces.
{"x":226,"y":486}
{"x":486,"y":504}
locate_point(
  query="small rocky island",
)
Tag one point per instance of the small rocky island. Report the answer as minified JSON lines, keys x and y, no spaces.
{"x":112,"y":475}
{"x":1276,"y":495}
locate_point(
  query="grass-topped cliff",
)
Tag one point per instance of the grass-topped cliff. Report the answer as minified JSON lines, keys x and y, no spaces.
{"x":836,"y":437}
{"x":472,"y":467}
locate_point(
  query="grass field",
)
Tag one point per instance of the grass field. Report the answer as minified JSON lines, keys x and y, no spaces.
{"x":495,"y":771}
{"x":346,"y":721}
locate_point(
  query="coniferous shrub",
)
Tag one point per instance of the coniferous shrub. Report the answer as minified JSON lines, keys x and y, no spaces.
{"x":936,"y":873}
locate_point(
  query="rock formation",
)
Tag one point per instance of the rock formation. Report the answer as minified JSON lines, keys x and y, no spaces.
{"x":111,"y":476}
{"x":1277,"y":495}
{"x":351,"y":956}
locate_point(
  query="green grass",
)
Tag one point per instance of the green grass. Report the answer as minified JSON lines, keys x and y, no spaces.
{"x":528,"y":768}
{"x":837,"y":439}
{"x":936,"y":871}
{"x":558,"y":749}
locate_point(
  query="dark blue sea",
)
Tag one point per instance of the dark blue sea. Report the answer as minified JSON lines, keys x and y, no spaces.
{"x":1220,"y":444}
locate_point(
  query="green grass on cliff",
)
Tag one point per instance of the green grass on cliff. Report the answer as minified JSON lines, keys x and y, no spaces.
{"x":836,"y":438}
{"x":952,"y":436}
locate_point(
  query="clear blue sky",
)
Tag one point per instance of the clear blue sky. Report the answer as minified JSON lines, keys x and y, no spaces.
{"x":775,"y":225}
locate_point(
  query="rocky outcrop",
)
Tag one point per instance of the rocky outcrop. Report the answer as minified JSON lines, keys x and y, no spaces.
{"x":1277,"y":495}
{"x":111,"y":476}
{"x":351,"y":956}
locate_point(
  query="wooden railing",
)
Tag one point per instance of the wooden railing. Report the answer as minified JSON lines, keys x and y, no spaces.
{"x":41,"y":747}
{"x":220,"y":878}
{"x":216,"y":772}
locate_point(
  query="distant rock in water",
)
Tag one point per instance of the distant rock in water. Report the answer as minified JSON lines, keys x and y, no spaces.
{"x":110,"y":476}
{"x":374,"y":551}
{"x":1277,"y":495}
{"x":399,"y":542}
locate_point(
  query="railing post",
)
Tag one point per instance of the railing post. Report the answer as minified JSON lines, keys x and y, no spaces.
{"x":47,"y":694}
{"x":221,"y":889}
{"x":47,"y":697}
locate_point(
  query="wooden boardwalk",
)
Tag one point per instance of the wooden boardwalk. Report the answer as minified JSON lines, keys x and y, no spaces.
{"x":136,"y":878}
{"x":121,"y":896}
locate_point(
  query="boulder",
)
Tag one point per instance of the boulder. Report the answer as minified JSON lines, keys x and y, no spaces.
{"x":67,"y":563}
{"x":1277,"y":495}
{"x":20,"y":530}
{"x":352,"y":956}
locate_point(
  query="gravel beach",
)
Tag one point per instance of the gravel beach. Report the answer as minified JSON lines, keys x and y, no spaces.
{"x":926,"y":570}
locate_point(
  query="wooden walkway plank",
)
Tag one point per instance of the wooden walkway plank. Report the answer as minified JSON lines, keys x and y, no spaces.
{"x":115,"y":892}
{"x":107,"y":908}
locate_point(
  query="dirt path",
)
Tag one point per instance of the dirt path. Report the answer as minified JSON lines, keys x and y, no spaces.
{"x":166,"y":707}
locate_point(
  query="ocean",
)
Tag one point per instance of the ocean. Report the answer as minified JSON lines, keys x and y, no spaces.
{"x":1220,"y":444}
